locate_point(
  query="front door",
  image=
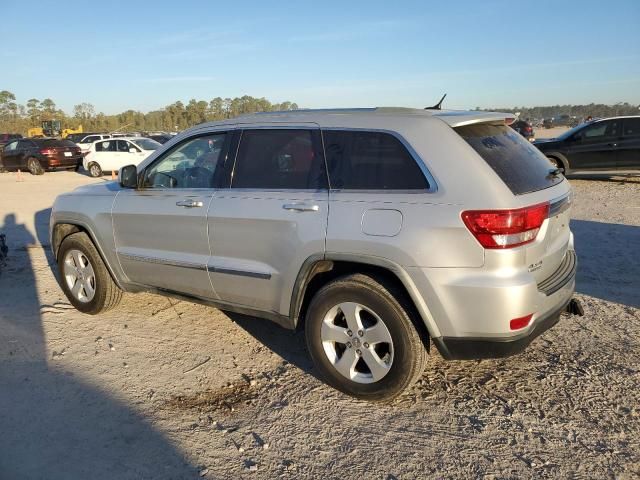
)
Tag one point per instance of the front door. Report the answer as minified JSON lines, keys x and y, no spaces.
{"x":271,"y":219}
{"x":595,"y":147}
{"x":160,"y":228}
{"x":10,"y":155}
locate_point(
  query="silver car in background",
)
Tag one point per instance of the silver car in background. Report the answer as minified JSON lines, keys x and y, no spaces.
{"x":377,"y":230}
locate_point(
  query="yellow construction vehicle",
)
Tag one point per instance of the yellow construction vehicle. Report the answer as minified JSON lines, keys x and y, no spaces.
{"x":52,"y":128}
{"x":69,"y":131}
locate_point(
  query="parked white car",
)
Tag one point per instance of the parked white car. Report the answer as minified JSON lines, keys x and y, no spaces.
{"x":86,"y":142}
{"x":114,"y":153}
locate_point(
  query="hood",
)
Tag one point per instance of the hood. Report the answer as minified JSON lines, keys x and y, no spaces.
{"x":98,"y":189}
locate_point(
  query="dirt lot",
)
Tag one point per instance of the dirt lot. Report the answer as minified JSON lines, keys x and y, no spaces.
{"x":165,"y":389}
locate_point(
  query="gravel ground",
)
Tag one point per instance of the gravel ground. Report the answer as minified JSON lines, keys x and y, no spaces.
{"x":164,"y":389}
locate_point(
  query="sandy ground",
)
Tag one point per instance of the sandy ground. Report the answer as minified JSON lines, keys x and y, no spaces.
{"x":165,"y":389}
{"x":549,"y":132}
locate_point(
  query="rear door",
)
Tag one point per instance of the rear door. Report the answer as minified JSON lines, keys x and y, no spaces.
{"x":629,"y":144}
{"x":595,"y":146}
{"x":160,"y":229}
{"x":271,"y":218}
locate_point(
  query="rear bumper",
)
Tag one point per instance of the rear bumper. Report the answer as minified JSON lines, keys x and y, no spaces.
{"x":462,"y":348}
{"x":63,"y":162}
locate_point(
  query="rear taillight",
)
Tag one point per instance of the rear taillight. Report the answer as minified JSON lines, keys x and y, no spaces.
{"x":506,"y":228}
{"x":47,"y":151}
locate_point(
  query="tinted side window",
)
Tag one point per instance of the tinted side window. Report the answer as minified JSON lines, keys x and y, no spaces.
{"x":279,"y":159}
{"x":108,"y":146}
{"x":631,"y":127}
{"x":370,"y":161}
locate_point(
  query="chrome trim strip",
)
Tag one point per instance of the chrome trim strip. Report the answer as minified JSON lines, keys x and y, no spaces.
{"x":242,"y":273}
{"x":163,"y":261}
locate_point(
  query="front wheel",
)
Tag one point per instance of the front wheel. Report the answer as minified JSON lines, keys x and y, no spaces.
{"x":362,"y":340}
{"x":557,"y":163}
{"x":95,"y":170}
{"x":84,"y":278}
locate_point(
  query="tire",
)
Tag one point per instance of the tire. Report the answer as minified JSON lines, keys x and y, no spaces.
{"x":558,"y":163}
{"x":398,"y":363}
{"x":94,"y":169}
{"x":77,"y":252}
{"x":34,"y":166}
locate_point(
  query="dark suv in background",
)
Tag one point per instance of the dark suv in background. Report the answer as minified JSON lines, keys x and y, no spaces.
{"x":40,"y":154}
{"x":604,"y":144}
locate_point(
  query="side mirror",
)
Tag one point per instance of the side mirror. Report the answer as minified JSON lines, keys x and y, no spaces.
{"x":128,"y":176}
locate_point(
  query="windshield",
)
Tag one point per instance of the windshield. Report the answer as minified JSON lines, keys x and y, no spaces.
{"x":147,"y":144}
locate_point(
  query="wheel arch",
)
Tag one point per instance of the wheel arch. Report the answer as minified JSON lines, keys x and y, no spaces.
{"x":62,"y":229}
{"x":562,"y":158}
{"x":318,"y":270}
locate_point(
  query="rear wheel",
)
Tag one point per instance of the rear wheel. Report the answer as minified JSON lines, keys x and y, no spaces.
{"x":84,"y":278}
{"x":95,"y":170}
{"x":34,"y":166}
{"x":362,"y":340}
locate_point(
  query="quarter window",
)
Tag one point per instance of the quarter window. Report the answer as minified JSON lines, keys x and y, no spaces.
{"x":191,"y":164}
{"x":279,"y":159}
{"x":359,"y":160}
{"x":108,"y":146}
{"x":10,"y":146}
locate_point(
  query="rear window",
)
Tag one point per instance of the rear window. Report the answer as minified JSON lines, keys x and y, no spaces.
{"x":520,"y":165}
{"x":58,"y":143}
{"x":359,"y":160}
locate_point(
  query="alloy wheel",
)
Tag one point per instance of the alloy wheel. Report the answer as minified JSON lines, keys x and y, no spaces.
{"x":357,"y":342}
{"x":79,"y":276}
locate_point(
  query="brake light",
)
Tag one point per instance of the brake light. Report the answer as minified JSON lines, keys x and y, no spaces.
{"x":47,"y":151}
{"x":506,"y":228}
{"x":518,"y":323}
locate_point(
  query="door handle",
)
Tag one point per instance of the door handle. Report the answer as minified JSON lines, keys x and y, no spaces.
{"x":189,"y":203}
{"x":301,"y":207}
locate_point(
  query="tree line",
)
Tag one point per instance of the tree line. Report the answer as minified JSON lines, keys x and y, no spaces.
{"x":596,"y":110}
{"x":18,"y":118}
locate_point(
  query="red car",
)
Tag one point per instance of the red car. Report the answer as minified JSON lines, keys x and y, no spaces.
{"x":40,"y":154}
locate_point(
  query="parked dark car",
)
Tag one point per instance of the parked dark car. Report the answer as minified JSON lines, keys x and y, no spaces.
{"x":40,"y":154}
{"x":524,"y":128}
{"x":7,"y":137}
{"x":604,"y":144}
{"x":162,"y":138}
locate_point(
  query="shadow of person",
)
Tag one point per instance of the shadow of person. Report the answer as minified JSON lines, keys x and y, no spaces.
{"x":52,"y":424}
{"x":608,"y":261}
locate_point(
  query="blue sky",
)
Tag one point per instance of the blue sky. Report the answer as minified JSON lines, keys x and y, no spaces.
{"x":145,"y":55}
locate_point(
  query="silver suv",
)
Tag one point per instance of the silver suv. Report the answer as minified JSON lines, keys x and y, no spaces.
{"x":377,"y":230}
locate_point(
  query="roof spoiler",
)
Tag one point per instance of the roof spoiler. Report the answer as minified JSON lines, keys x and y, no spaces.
{"x":437,"y":106}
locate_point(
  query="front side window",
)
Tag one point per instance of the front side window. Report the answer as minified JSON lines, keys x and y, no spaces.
{"x":601,"y":130}
{"x":279,"y":159}
{"x":124,"y":146}
{"x":191,"y":164}
{"x":10,"y":146}
{"x":147,"y":144}
{"x":360,"y":160}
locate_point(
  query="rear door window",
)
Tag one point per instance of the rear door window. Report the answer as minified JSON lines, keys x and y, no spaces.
{"x":631,"y":127}
{"x":520,"y":165}
{"x":360,"y":160}
{"x":280,"y":159}
{"x":108,"y":146}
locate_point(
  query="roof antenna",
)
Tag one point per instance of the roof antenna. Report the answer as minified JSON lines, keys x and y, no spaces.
{"x":437,"y":106}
